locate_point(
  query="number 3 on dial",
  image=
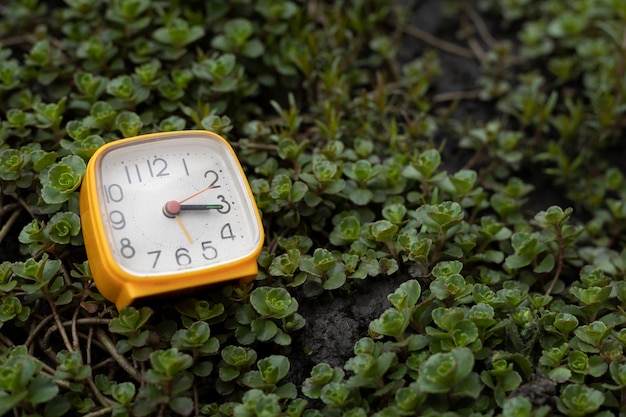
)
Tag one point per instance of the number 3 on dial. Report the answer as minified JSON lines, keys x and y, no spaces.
{"x":168,"y":212}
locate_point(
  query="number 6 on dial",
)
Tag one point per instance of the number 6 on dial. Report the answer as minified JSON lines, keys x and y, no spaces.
{"x":168,"y":212}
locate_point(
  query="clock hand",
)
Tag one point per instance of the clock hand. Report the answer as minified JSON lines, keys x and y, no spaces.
{"x":198,"y":193}
{"x":172,"y":208}
{"x":201,"y":206}
{"x":182,"y":226}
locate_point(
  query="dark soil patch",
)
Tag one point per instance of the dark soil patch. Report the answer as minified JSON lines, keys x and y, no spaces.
{"x":10,"y":245}
{"x":336,"y":321}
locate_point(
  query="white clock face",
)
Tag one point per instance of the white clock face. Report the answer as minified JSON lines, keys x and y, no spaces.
{"x":175,"y":204}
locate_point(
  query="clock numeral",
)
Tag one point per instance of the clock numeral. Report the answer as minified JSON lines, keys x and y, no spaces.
{"x":157,"y":253}
{"x":157,"y":167}
{"x":113,"y":193}
{"x":213,"y":175}
{"x":182,"y":257}
{"x":227,"y":232}
{"x":185,"y":166}
{"x":127,"y":250}
{"x":118,"y":222}
{"x":158,"y":163}
{"x":208,"y":252}
{"x":225,"y":206}
{"x":129,"y":176}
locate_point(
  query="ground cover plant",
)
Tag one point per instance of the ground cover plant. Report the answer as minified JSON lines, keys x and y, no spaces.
{"x":441,"y":185}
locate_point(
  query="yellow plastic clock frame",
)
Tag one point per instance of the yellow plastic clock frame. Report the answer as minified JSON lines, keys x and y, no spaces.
{"x":124,"y":288}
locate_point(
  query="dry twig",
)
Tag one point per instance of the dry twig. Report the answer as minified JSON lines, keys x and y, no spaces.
{"x":7,"y":226}
{"x":480,"y":25}
{"x":438,"y":43}
{"x":120,"y":359}
{"x":456,"y":95}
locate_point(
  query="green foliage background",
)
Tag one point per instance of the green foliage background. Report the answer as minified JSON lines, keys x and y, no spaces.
{"x":364,"y":166}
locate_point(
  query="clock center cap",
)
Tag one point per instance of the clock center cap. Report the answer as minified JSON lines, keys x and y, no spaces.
{"x":171,"y":208}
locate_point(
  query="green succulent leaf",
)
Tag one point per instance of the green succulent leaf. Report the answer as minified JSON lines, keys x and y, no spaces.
{"x":565,"y":322}
{"x":238,"y":356}
{"x":391,"y":323}
{"x":579,"y":400}
{"x":11,"y":162}
{"x":346,"y":231}
{"x":121,"y":87}
{"x":440,"y":218}
{"x":273,"y":302}
{"x":264,"y":329}
{"x":61,"y":179}
{"x":383,"y":231}
{"x":464,"y":332}
{"x":63,"y":227}
{"x":124,"y":393}
{"x":196,"y":337}
{"x":406,"y":296}
{"x":178,"y":33}
{"x":334,"y":394}
{"x":442,"y":371}
{"x":321,"y":374}
{"x":128,"y":123}
{"x":618,"y":373}
{"x":270,"y":371}
{"x":42,"y":389}
{"x":593,"y":333}
{"x":168,"y":363}
{"x":130,"y":320}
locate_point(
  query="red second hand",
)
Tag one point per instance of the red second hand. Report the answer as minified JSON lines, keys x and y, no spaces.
{"x":198,"y":193}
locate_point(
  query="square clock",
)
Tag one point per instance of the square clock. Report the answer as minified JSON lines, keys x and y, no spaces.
{"x":168,"y":212}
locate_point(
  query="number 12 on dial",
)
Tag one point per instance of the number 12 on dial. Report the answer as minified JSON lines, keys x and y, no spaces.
{"x":168,"y":212}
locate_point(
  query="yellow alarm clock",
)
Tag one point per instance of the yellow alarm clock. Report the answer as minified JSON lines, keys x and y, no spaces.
{"x":167,"y":212}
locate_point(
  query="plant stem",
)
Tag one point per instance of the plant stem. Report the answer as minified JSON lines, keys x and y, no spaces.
{"x":75,"y":339}
{"x":478,"y":51}
{"x":196,"y":400}
{"x":120,"y":359}
{"x":392,"y":250}
{"x":96,"y":392}
{"x":7,"y":226}
{"x":480,"y":25}
{"x":88,"y":347}
{"x":7,"y":208}
{"x":35,"y":331}
{"x":456,"y":95}
{"x":437,"y":42}
{"x":101,"y":412}
{"x":560,"y":258}
{"x":6,"y":341}
{"x":54,"y":327}
{"x":57,"y":319}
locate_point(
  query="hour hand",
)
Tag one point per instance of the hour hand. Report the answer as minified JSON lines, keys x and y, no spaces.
{"x":201,"y":207}
{"x":172,"y":208}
